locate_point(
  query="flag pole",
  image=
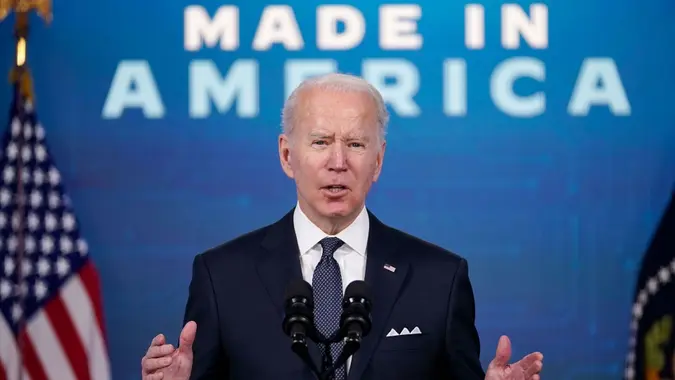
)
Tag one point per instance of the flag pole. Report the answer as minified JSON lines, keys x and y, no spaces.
{"x":20,"y":75}
{"x":24,"y":99}
{"x":24,"y":96}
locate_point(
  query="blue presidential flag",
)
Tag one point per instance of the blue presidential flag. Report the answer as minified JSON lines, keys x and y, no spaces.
{"x":652,"y":345}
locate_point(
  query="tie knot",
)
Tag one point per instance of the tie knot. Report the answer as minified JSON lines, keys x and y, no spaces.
{"x":330,"y":245}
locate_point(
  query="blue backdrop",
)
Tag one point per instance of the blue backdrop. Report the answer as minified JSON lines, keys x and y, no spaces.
{"x":552,"y":206}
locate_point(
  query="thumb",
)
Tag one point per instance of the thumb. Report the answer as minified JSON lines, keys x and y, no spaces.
{"x":187,"y":336}
{"x":503,"y":353}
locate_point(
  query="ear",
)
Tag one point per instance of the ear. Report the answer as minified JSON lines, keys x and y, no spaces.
{"x":379,"y":161}
{"x":285,"y":155}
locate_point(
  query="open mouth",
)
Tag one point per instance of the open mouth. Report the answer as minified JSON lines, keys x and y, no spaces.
{"x":335,"y":188}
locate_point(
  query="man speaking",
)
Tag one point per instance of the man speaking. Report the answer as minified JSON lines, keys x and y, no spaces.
{"x":423,"y":312}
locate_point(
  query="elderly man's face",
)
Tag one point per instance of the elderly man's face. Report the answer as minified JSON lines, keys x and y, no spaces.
{"x":334,"y":152}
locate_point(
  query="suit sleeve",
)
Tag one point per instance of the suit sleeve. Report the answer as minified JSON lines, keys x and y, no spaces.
{"x":463,"y":344}
{"x":210,"y":360}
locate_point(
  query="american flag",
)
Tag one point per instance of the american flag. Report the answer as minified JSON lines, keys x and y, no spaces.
{"x":51,"y":319}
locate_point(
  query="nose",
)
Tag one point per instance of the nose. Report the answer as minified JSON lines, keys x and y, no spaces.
{"x":338,"y":159}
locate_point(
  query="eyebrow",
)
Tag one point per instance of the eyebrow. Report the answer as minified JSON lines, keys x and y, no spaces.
{"x":319,"y":134}
{"x":357,"y":137}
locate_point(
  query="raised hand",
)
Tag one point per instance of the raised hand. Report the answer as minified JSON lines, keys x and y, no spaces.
{"x":527,"y":368}
{"x":164,"y":362}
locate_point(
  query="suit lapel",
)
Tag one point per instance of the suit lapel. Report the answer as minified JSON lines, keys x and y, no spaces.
{"x":277,"y":264}
{"x":385,"y":287}
{"x":279,"y":261}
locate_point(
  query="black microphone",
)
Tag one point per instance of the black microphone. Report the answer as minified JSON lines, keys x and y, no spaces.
{"x":355,"y":322}
{"x":298,"y":321}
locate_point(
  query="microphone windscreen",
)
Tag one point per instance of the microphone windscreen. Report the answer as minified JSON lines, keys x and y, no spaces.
{"x":357,"y":289}
{"x":299,"y":288}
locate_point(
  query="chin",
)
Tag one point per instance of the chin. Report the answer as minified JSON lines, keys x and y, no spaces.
{"x":338,"y":208}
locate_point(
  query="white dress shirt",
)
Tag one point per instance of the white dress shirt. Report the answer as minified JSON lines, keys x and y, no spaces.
{"x":351,"y":256}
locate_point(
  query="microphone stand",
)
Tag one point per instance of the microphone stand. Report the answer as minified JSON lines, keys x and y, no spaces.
{"x":351,"y":332}
{"x":299,"y":346}
{"x":352,"y":344}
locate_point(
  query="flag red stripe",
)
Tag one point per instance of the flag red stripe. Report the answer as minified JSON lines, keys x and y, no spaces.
{"x":89,"y":278}
{"x":68,"y":337}
{"x":30,"y":359}
{"x":3,"y":371}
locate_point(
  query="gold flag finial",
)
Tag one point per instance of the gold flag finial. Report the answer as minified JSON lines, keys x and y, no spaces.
{"x":43,"y":8}
{"x":22,"y":8}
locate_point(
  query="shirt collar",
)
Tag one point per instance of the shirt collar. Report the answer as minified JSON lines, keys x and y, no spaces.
{"x":308,"y":234}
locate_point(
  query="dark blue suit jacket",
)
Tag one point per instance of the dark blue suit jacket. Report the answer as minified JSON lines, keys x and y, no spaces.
{"x":237,"y":291}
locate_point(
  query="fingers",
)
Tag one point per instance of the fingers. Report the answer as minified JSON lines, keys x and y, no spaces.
{"x":151,"y":365}
{"x":528,"y":359}
{"x":503,"y":353}
{"x":154,"y":376}
{"x":159,"y":351}
{"x":157,"y":347}
{"x":534,"y":367}
{"x":158,"y":356}
{"x":532,"y":371}
{"x":187,"y":336}
{"x":158,"y":340}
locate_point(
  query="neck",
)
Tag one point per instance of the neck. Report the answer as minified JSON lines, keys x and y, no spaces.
{"x":331,"y":225}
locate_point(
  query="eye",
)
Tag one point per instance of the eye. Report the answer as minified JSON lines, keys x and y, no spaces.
{"x":319,"y":142}
{"x":356,"y":145}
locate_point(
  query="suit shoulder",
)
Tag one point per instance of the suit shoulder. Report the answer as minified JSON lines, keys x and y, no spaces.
{"x":238,"y":245}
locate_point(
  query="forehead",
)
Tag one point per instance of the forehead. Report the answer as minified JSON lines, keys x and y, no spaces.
{"x":331,"y":110}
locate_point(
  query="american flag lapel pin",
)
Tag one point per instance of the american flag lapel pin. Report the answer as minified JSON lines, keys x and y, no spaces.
{"x":390,"y":268}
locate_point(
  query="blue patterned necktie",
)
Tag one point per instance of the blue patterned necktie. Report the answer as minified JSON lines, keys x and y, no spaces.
{"x":327,"y":287}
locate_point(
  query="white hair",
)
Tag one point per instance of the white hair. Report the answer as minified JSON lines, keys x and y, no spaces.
{"x":335,"y":82}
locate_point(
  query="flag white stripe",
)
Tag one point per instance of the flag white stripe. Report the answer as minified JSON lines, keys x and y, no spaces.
{"x":99,"y":366}
{"x":81,"y":310}
{"x":26,"y":376}
{"x":49,"y":349}
{"x":9,"y":355}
